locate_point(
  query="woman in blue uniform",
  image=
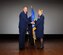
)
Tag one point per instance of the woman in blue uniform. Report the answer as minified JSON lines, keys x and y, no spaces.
{"x":40,"y":27}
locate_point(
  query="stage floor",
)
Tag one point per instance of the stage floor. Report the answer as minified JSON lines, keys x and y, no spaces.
{"x":51,"y":47}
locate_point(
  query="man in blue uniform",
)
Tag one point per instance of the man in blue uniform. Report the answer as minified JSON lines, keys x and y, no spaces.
{"x":23,"y":24}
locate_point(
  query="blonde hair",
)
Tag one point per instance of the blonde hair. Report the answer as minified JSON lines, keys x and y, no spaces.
{"x":40,"y":11}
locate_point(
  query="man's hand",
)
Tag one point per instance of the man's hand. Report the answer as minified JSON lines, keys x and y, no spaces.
{"x":33,"y":22}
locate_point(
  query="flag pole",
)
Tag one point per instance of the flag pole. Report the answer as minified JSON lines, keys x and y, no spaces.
{"x":33,"y":25}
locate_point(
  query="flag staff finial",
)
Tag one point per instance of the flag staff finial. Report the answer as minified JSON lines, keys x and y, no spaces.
{"x":31,"y":6}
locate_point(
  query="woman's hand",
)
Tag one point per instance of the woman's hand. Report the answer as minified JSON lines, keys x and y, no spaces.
{"x":32,"y":22}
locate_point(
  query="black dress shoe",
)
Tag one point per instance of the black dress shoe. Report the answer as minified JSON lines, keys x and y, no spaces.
{"x":21,"y":48}
{"x":42,"y":46}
